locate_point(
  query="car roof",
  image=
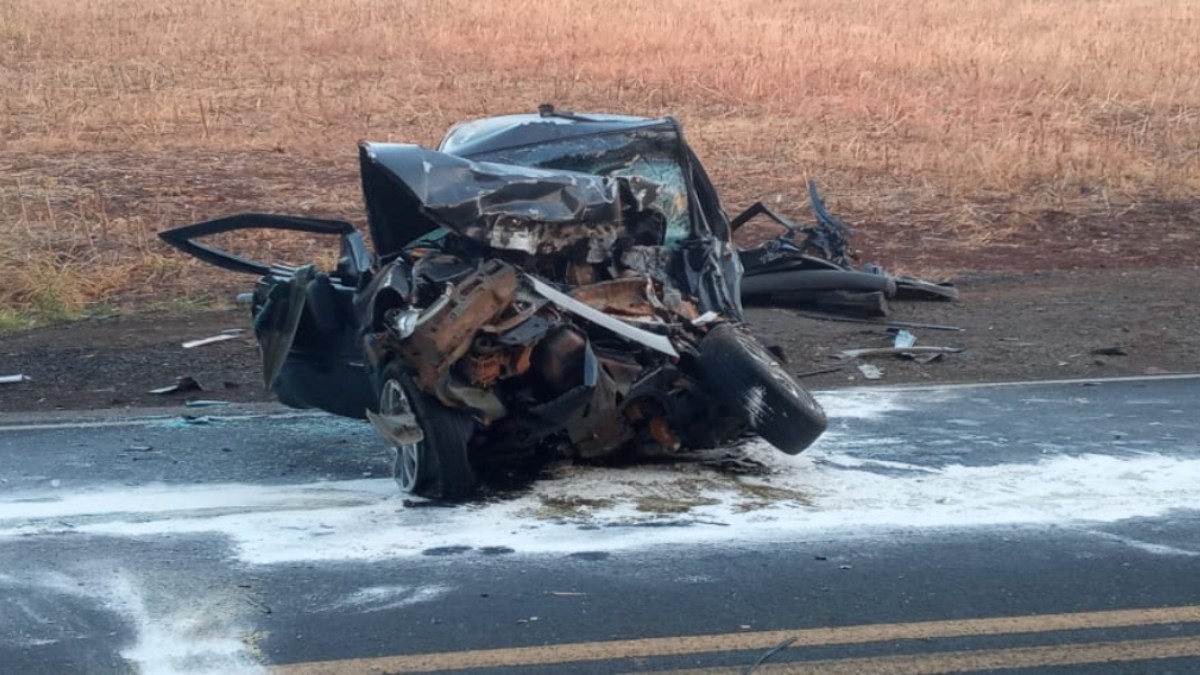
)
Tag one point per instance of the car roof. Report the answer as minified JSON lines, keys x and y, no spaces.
{"x":509,"y":131}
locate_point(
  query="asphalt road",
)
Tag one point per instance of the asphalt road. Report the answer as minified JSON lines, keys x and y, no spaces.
{"x":1027,"y":528}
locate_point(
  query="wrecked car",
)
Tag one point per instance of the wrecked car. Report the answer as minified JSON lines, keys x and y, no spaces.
{"x":542,"y":285}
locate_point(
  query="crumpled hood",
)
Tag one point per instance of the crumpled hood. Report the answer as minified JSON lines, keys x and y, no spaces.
{"x":411,"y":191}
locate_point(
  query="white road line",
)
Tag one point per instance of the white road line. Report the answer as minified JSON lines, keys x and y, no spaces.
{"x":1026,"y":383}
{"x":135,"y":420}
{"x":150,"y":419}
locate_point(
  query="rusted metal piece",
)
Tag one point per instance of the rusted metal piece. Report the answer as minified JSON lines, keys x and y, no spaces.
{"x":487,"y":368}
{"x":439,"y":343}
{"x":634,"y":296}
{"x":660,"y":431}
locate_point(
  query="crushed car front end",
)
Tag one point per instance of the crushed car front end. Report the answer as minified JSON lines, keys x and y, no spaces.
{"x":543,"y":285}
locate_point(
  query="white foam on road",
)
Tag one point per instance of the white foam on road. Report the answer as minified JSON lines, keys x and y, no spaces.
{"x":809,"y":494}
{"x":202,"y":635}
{"x":383,"y":598}
{"x":155,"y":500}
{"x":832,"y":488}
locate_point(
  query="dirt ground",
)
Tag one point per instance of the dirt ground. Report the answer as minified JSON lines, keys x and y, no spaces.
{"x":1015,"y":326}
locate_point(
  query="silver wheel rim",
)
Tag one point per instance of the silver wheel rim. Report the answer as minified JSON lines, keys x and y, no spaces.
{"x":394,"y":401}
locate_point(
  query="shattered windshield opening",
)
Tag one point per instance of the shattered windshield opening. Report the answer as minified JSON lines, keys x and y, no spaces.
{"x":648,"y":153}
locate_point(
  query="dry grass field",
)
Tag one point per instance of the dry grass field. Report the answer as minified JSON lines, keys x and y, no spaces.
{"x":955,"y":134}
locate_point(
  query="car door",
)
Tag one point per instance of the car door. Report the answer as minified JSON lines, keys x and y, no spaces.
{"x":303,"y":318}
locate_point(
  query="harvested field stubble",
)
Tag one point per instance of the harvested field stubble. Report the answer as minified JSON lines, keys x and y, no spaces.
{"x":986,"y":126}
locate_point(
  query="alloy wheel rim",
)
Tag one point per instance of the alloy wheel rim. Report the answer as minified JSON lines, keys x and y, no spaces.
{"x":395,"y":401}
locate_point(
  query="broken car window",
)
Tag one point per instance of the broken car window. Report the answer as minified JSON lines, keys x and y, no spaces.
{"x":648,"y":153}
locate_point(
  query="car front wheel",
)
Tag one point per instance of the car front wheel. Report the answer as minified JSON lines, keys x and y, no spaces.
{"x":747,"y":378}
{"x":431,"y":441}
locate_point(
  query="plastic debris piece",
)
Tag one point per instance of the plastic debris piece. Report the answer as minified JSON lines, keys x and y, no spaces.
{"x":14,"y":379}
{"x":211,"y":339}
{"x":183,"y":384}
{"x":903,"y":339}
{"x":870,"y":372}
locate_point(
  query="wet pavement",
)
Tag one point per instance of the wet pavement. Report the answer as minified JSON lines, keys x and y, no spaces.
{"x":932,"y":530}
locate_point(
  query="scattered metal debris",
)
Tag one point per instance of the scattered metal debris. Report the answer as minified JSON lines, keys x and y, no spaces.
{"x":204,"y":403}
{"x":816,"y":271}
{"x":184,"y":384}
{"x":817,"y":371}
{"x":230,"y":334}
{"x":876,"y":322}
{"x":14,"y":379}
{"x":894,"y":351}
{"x":870,"y":372}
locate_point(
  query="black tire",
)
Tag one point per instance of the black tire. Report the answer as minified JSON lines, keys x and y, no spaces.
{"x":745,"y":377}
{"x":438,"y":467}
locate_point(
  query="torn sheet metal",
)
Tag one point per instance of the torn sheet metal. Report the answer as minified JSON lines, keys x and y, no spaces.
{"x":632,"y":297}
{"x":567,"y":303}
{"x":397,"y":429}
{"x":412,"y":191}
{"x":896,"y":351}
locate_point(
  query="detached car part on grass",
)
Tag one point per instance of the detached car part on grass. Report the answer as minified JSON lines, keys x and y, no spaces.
{"x":541,"y":285}
{"x":815,"y":270}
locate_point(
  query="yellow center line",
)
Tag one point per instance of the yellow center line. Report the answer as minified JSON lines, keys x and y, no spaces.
{"x":729,"y":642}
{"x":938,"y":663}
